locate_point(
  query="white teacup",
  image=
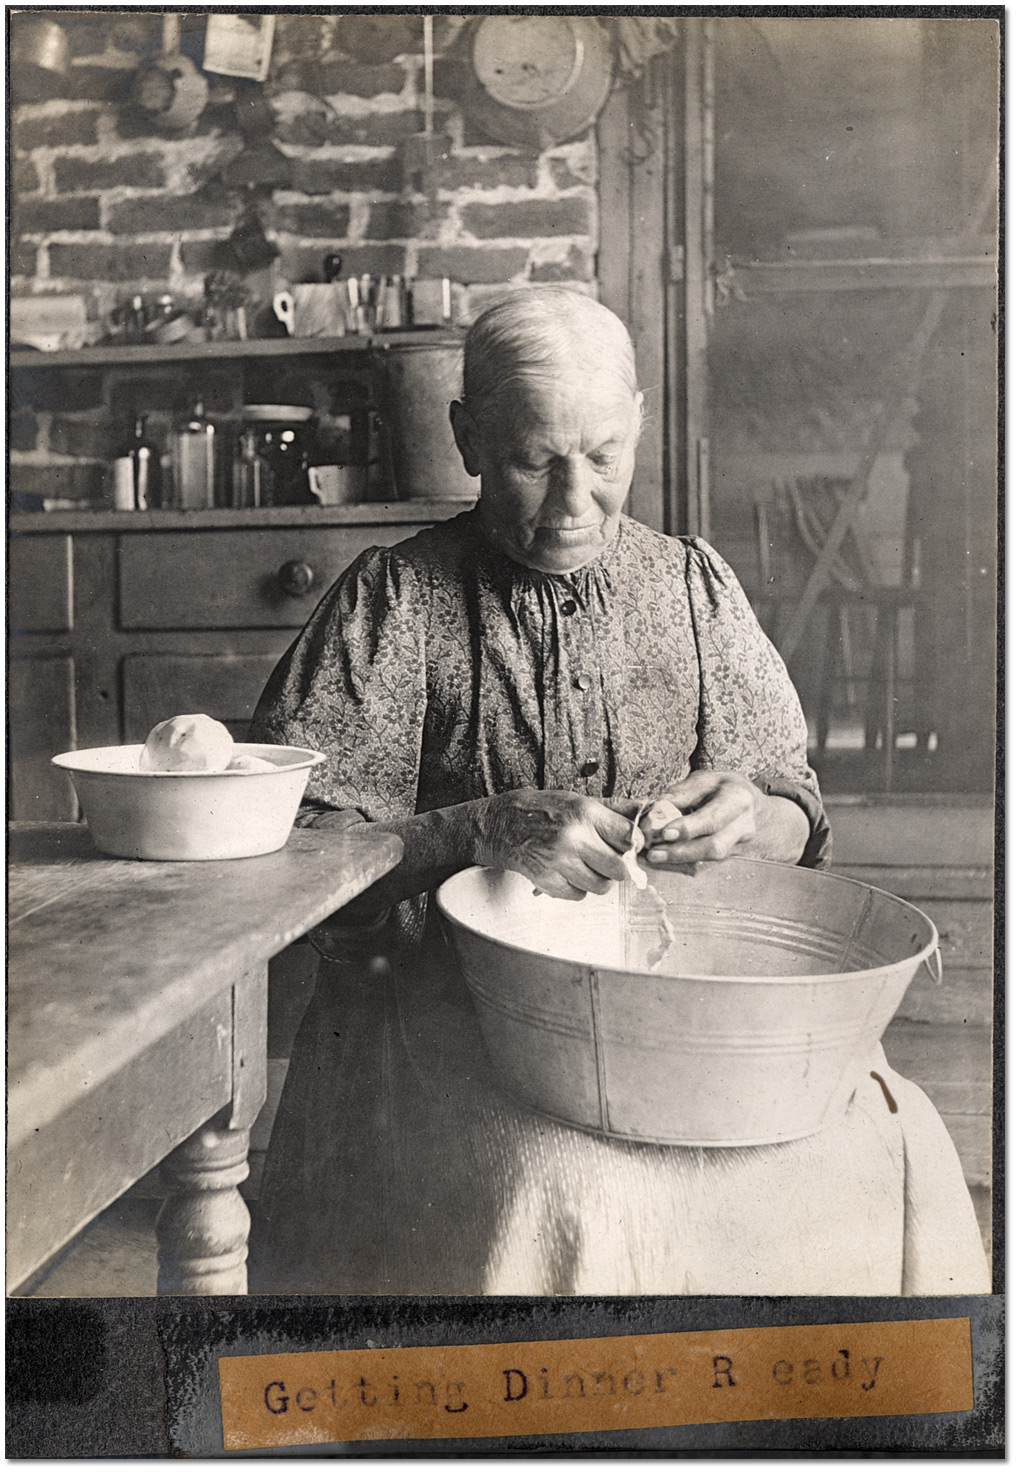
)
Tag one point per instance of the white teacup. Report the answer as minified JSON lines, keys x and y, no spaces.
{"x":335,"y":486}
{"x":313,"y":310}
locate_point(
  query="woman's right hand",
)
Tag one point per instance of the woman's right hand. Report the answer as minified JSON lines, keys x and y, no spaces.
{"x":567,"y":844}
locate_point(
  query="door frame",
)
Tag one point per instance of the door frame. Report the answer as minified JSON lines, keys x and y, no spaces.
{"x":655,"y":140}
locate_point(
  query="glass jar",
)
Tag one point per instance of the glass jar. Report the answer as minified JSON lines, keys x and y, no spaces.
{"x":193,"y":461}
{"x":278,"y":437}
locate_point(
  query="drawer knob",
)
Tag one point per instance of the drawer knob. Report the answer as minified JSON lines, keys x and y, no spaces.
{"x":296,"y":578}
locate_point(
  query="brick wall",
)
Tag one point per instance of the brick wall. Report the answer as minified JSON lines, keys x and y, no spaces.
{"x":104,"y":206}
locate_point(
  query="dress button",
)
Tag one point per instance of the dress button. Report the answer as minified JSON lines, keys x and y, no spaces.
{"x":589,"y":769}
{"x":568,"y":607}
{"x":583,"y":681}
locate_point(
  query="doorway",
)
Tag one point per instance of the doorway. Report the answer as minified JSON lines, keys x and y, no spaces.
{"x":809,"y":270}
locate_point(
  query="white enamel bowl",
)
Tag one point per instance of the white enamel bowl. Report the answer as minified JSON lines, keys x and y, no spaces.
{"x":188,"y":816}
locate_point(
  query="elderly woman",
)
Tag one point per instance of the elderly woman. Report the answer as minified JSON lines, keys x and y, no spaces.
{"x":509,"y":688}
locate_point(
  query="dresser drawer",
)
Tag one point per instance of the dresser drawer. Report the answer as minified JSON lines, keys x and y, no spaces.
{"x":237,"y":580}
{"x":226,"y":687}
{"x":41,"y":696}
{"x":40,"y":584}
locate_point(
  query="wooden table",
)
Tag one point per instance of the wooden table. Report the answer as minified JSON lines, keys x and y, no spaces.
{"x":137,"y":1028}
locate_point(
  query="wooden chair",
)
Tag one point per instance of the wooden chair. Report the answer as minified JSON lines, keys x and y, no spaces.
{"x":855,"y":586}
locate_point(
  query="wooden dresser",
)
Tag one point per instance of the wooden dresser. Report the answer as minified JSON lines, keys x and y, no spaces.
{"x":119,"y":620}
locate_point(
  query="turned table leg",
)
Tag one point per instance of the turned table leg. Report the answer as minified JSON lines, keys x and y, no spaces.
{"x":202,"y":1227}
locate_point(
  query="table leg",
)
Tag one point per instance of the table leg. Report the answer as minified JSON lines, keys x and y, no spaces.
{"x":202,"y":1228}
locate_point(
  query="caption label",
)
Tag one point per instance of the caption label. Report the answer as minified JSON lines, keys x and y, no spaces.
{"x":614,"y":1382}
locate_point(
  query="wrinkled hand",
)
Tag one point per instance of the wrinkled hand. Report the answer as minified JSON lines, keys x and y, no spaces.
{"x":565,"y":843}
{"x":709,"y":816}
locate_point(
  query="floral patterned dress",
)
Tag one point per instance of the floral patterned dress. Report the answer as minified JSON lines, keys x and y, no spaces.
{"x":441,"y":671}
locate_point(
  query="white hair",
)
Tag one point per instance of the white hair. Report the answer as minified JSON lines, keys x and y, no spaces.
{"x":541,"y":332}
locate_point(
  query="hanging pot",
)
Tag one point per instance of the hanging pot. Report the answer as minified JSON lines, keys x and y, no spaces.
{"x":248,"y":245}
{"x":172,"y":91}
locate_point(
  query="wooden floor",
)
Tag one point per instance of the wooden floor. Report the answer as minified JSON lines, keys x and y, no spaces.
{"x":935,"y":852}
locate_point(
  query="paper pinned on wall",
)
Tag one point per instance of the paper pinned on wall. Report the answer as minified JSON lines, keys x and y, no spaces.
{"x":239,"y":45}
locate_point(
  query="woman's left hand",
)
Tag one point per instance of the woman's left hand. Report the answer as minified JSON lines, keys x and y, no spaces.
{"x":711,"y":816}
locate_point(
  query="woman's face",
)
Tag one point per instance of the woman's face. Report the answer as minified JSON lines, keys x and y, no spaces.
{"x":556,"y":459}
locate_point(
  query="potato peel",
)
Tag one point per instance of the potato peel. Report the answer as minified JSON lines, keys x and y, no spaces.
{"x":630,"y":860}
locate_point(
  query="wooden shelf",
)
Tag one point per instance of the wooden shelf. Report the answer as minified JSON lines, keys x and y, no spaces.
{"x":361,"y":514}
{"x":250,"y":348}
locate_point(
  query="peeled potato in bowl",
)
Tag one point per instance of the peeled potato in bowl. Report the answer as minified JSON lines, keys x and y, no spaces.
{"x":193,"y":743}
{"x":190,"y":793}
{"x":245,"y":764}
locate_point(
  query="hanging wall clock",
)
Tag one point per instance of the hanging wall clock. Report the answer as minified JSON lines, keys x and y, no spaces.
{"x":537,"y":80}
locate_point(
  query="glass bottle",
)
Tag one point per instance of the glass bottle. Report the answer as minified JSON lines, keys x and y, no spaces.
{"x":136,"y":320}
{"x":193,"y":461}
{"x":250,"y":472}
{"x":145,"y":469}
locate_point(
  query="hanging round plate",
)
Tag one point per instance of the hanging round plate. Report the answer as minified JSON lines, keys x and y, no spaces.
{"x":538,"y":79}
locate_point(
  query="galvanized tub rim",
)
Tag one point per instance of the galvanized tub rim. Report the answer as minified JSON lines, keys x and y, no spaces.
{"x":764,"y":979}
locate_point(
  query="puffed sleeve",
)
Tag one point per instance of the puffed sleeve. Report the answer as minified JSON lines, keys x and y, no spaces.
{"x":750,"y":719}
{"x":353,"y":687}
